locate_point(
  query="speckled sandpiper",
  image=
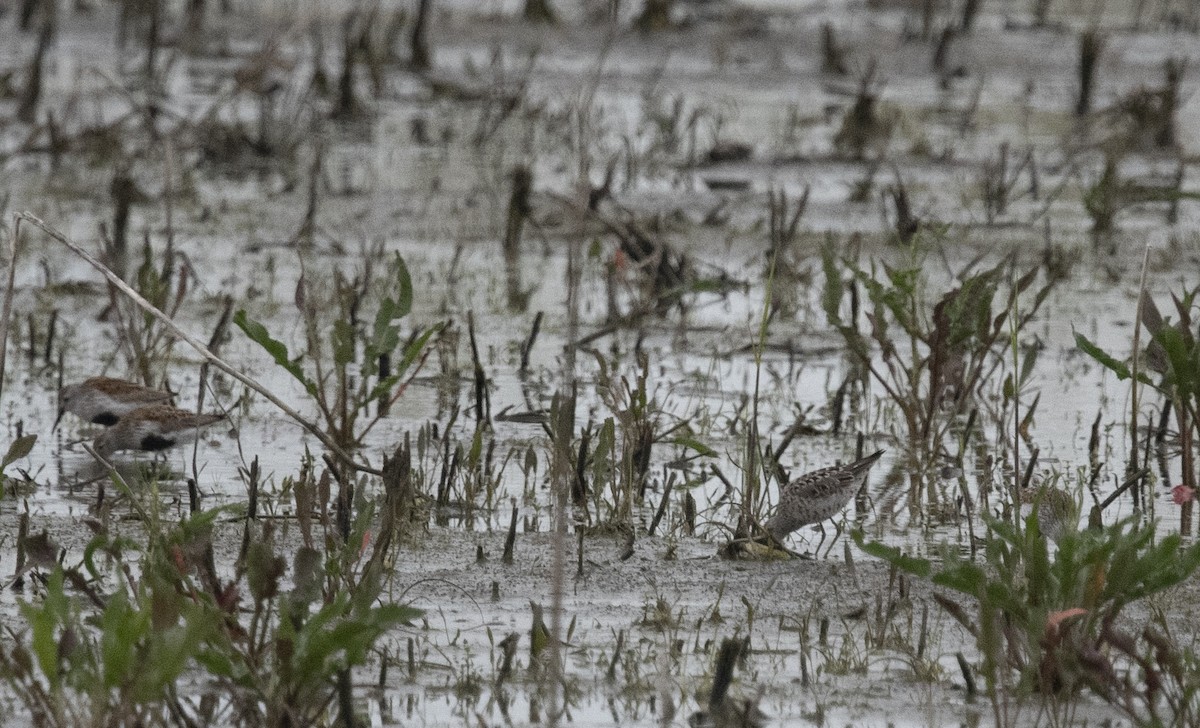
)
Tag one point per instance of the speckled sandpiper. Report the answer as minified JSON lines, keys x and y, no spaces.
{"x":103,"y":400}
{"x":153,"y":428}
{"x":818,"y":495}
{"x":1057,"y":510}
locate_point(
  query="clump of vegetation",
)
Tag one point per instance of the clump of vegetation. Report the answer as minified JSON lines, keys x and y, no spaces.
{"x":620,"y":455}
{"x":931,"y":353}
{"x":864,"y":128}
{"x":1044,"y":616}
{"x":1150,"y":114}
{"x":1104,"y":199}
{"x":278,"y":646}
{"x":1167,"y":692}
{"x":998,"y":181}
{"x":1173,"y":353}
{"x":353,"y":365}
{"x":17,"y":449}
{"x":785,"y":263}
{"x":163,"y":279}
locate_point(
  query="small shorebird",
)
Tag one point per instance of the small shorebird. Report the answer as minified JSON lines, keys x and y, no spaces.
{"x":153,"y":428}
{"x":819,"y":495}
{"x":103,"y":400}
{"x":1057,"y":510}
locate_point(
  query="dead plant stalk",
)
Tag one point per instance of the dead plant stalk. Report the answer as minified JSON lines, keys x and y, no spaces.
{"x":8,"y":297}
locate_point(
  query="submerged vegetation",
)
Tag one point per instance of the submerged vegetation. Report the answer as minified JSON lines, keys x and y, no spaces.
{"x":517,"y":352}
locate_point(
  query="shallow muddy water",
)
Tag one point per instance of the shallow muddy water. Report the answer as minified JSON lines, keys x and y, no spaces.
{"x":427,"y":174}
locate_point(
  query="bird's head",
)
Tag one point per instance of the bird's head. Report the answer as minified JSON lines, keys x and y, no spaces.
{"x":67,"y":396}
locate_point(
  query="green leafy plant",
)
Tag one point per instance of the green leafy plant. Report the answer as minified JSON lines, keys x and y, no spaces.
{"x":621,"y":454}
{"x":1042,"y":612}
{"x":350,"y":365}
{"x":116,"y":657}
{"x":113,"y":664}
{"x":1174,"y":355}
{"x":864,"y":128}
{"x":931,"y":355}
{"x":19,"y":448}
{"x":1168,"y":694}
{"x":145,"y":343}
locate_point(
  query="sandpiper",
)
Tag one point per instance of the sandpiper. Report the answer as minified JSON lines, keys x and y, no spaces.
{"x":818,"y":495}
{"x":153,"y":428}
{"x":103,"y":400}
{"x":1057,"y":510}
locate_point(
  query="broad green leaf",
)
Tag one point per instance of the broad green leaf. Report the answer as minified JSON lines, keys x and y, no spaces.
{"x":893,"y":555}
{"x":404,"y":288}
{"x":123,"y":630}
{"x":1107,"y":360}
{"x":962,"y":577}
{"x":44,"y":621}
{"x":1001,"y":594}
{"x":831,"y":296}
{"x":171,"y":653}
{"x":385,"y":334}
{"x":202,"y":522}
{"x":476,"y":450}
{"x":1181,"y":355}
{"x":1037,"y":556}
{"x":696,"y":445}
{"x":1027,"y":363}
{"x":278,"y":351}
{"x":216,"y":662}
{"x":707,"y":285}
{"x":19,"y":448}
{"x":411,"y":352}
{"x":402,"y":614}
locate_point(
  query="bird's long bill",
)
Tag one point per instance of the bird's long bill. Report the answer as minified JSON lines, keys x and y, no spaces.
{"x":57,"y":419}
